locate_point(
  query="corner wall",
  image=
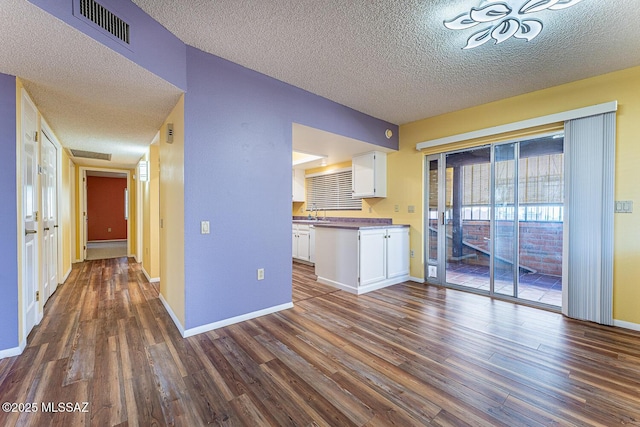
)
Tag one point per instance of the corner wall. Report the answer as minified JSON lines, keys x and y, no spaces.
{"x":237,"y":165}
{"x":67,"y":200}
{"x":172,"y":205}
{"x":9,"y":247}
{"x":151,"y":215}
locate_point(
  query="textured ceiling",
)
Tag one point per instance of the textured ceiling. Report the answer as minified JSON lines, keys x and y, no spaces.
{"x":394,"y":59}
{"x":93,"y":98}
{"x":391,"y":59}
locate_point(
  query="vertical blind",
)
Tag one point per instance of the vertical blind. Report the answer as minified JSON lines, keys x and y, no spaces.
{"x":589,"y":187}
{"x":331,"y":192}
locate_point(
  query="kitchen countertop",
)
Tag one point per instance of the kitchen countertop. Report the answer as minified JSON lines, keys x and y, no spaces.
{"x":357,"y":225}
{"x":309,"y":221}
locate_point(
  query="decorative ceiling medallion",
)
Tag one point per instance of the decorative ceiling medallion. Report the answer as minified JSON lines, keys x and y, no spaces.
{"x":505,"y":22}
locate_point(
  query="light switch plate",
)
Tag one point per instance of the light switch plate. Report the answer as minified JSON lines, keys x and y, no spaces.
{"x":204,"y":227}
{"x":624,"y":206}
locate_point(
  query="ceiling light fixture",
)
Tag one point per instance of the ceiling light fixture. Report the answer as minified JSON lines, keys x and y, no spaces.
{"x":504,"y":21}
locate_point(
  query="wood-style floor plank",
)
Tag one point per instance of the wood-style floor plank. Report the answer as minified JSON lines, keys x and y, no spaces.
{"x":407,"y":355}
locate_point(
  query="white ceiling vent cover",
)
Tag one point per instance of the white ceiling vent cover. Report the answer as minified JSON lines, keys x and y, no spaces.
{"x":90,"y":155}
{"x":102,"y":17}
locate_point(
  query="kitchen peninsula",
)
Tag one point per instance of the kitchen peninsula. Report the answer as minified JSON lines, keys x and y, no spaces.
{"x":360,"y":257}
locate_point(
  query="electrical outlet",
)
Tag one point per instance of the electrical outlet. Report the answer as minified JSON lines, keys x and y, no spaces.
{"x":204,"y":227}
{"x":412,"y":253}
{"x":261,"y":274}
{"x":109,"y":230}
{"x":396,"y":208}
{"x":411,"y":209}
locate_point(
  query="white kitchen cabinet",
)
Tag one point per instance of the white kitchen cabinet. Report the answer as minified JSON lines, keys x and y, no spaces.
{"x":369,"y":175}
{"x":364,"y":259}
{"x":373,"y":256}
{"x":312,"y":243}
{"x":300,"y":241}
{"x":397,"y":252}
{"x":298,"y":191}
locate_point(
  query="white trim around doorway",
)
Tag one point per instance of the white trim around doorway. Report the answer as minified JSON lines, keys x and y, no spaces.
{"x":563,"y":116}
{"x":82,"y":205}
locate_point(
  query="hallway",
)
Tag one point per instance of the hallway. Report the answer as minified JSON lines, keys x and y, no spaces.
{"x":106,"y":250}
{"x":406,"y":355}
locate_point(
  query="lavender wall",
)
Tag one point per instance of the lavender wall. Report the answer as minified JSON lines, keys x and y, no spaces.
{"x":8,"y":215}
{"x":152,"y":46}
{"x":238,"y":176}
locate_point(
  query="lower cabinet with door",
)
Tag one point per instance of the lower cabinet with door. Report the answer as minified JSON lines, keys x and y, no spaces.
{"x":362,"y":259}
{"x":303,"y":242}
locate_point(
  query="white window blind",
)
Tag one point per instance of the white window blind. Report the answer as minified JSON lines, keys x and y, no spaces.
{"x":590,"y":160}
{"x":331,"y":192}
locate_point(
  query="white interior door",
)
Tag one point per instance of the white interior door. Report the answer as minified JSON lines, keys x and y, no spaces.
{"x":29,"y":164}
{"x":48,"y":180}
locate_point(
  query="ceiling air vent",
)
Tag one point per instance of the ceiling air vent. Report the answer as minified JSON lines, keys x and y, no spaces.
{"x":90,"y":155}
{"x":105,"y":19}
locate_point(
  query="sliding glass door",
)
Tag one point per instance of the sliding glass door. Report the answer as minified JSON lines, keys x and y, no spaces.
{"x":494,"y":219}
{"x":466,"y":211}
{"x":505,"y":227}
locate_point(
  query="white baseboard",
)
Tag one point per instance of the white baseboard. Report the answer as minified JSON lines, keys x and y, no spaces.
{"x":626,"y":325}
{"x":339,"y":285}
{"x":359,"y":290}
{"x":66,"y":276}
{"x":236,"y":319}
{"x":417,"y":279}
{"x":15,"y":351}
{"x":172,"y":315}
{"x":149,"y":278}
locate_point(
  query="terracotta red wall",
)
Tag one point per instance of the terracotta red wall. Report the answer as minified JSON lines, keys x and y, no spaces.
{"x":105,"y":208}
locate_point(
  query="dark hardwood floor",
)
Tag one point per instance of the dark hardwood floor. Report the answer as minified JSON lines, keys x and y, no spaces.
{"x":406,"y":355}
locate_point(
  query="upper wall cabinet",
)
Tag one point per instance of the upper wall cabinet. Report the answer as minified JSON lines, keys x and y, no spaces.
{"x":369,"y":175}
{"x":298,"y":185}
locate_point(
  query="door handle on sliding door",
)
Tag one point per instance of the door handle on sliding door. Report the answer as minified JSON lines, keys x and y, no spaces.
{"x":442,"y":214}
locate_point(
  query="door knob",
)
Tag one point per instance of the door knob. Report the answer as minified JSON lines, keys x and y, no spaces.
{"x":26,"y":232}
{"x":46,"y":229}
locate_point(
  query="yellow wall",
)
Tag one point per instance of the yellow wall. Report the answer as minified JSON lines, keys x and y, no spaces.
{"x":67,"y":200}
{"x":78,"y":208}
{"x":172,"y":213}
{"x":406,"y":168}
{"x":133,"y":223}
{"x":151,"y":214}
